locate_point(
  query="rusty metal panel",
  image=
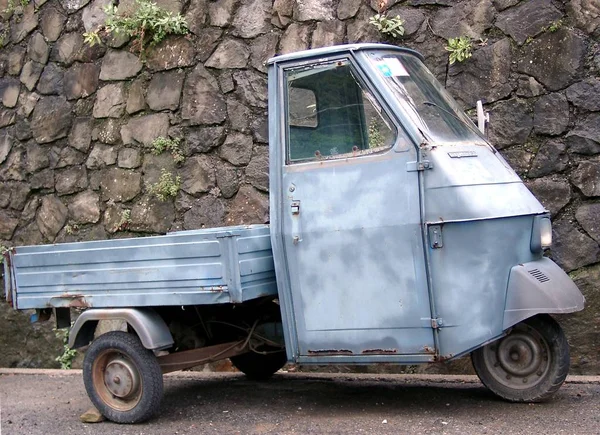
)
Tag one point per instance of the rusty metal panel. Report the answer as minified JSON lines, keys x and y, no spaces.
{"x":182,"y":268}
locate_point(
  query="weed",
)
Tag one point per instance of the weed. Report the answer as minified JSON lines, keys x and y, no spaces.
{"x":3,"y":250}
{"x":162,"y":144}
{"x":167,"y":186}
{"x":68,"y":355}
{"x":148,"y":24}
{"x":459,"y":48}
{"x":11,"y":6}
{"x":71,"y":228}
{"x":125,"y":220}
{"x":393,"y":27}
{"x":554,"y":26}
{"x":92,"y":38}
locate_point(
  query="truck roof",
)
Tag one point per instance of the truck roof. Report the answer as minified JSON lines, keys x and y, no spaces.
{"x":340,"y":49}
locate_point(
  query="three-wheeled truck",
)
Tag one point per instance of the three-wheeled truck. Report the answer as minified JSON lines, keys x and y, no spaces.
{"x":398,"y":235}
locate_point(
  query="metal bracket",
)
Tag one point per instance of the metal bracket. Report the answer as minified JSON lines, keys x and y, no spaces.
{"x":435,"y":237}
{"x":437,"y":323}
{"x":418,"y":166}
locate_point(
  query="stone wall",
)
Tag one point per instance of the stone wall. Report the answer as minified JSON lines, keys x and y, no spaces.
{"x":77,"y":122}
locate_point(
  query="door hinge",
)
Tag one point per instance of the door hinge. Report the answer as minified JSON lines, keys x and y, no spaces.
{"x":435,"y":237}
{"x":437,"y":323}
{"x":418,"y":166}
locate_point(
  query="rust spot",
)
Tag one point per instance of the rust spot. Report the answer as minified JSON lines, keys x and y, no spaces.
{"x":442,"y":358}
{"x":78,"y":302}
{"x":380,"y":351}
{"x":330,"y":352}
{"x":428,"y":349}
{"x":73,"y":301}
{"x":215,"y":289}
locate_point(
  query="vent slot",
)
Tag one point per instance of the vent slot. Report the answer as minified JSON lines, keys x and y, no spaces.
{"x":537,"y":274}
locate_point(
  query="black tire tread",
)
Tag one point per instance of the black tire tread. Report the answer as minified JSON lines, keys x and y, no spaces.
{"x":150,"y":373}
{"x":553,"y":333}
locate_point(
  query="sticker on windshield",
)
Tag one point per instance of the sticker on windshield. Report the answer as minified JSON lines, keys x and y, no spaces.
{"x":391,"y":67}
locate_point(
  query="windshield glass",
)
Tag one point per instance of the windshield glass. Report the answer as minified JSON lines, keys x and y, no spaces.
{"x":424,"y":99}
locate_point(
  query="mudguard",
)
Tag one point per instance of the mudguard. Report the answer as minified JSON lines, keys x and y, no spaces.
{"x":148,"y":325}
{"x":539,"y":286}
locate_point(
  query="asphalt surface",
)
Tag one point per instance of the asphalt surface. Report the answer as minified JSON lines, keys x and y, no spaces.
{"x":50,"y":402}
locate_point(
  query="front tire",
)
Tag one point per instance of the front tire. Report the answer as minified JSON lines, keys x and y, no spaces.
{"x":122,"y":378}
{"x":527,"y":365}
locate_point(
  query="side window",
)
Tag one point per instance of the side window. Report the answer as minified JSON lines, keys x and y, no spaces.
{"x":303,"y":108}
{"x":331,"y":115}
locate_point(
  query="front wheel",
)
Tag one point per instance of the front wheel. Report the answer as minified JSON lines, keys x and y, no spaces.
{"x":527,"y":365}
{"x":122,"y":378}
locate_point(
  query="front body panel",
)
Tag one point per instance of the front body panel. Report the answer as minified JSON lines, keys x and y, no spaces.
{"x":470,"y":276}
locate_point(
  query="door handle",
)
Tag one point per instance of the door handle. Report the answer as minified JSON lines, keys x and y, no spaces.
{"x":296,"y":226}
{"x":295,"y":207}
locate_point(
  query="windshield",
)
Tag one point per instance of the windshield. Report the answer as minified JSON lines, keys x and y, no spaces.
{"x":424,"y":99}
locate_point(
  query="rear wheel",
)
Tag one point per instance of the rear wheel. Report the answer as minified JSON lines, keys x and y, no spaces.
{"x":529,"y":364}
{"x":257,"y":366}
{"x":122,"y":378}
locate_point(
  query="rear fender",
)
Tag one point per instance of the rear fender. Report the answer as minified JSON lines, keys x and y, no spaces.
{"x":148,"y":325}
{"x":539,"y":286}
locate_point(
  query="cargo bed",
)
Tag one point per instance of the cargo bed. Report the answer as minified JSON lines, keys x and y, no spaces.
{"x":199,"y":267}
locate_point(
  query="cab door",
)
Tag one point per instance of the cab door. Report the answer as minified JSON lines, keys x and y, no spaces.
{"x":346,"y":221}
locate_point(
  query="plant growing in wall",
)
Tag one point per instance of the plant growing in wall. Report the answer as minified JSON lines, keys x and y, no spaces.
{"x":459,"y":48}
{"x":125,"y":220}
{"x":554,"y":26}
{"x":387,"y":26}
{"x":148,"y":24}
{"x":3,"y":250}
{"x":166,"y":187}
{"x":162,"y":144}
{"x":11,"y":6}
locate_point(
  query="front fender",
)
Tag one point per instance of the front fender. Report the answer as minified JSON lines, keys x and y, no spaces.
{"x":148,"y":325}
{"x":539,"y":286}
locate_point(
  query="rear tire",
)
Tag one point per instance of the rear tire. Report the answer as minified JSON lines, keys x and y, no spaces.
{"x":527,"y":365}
{"x":122,"y":378}
{"x":259,"y":367}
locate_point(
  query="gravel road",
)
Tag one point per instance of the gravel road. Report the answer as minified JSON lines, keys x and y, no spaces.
{"x":50,"y":403}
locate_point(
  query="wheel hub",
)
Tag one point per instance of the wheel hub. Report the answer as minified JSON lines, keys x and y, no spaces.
{"x":519,"y":354}
{"x":519,"y":360}
{"x":121,"y":378}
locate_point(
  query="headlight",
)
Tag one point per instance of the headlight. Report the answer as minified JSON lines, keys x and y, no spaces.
{"x":545,"y":232}
{"x":541,"y":234}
